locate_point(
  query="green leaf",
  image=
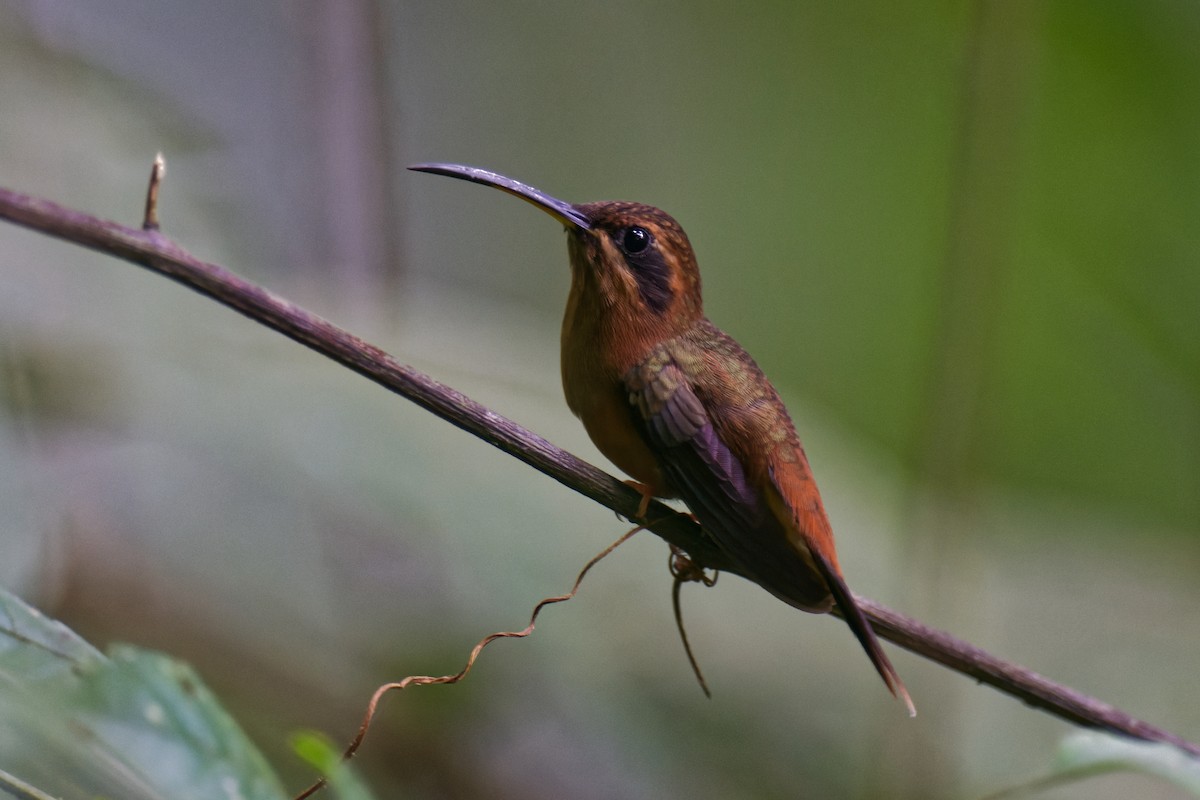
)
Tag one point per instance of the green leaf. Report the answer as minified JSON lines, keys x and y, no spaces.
{"x":36,"y":649}
{"x":133,"y":724}
{"x":1090,"y":753}
{"x":1093,"y":753}
{"x":323,"y":754}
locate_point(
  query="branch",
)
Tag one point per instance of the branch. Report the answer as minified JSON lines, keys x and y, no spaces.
{"x":150,"y":249}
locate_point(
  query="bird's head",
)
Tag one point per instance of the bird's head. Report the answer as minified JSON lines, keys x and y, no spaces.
{"x":628,"y":258}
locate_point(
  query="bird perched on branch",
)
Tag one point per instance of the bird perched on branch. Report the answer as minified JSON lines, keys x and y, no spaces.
{"x":679,"y":405}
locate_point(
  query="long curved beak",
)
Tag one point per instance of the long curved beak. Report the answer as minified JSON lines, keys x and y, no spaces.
{"x":562,"y":211}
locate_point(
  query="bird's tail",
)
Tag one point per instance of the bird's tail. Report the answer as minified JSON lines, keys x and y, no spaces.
{"x":862,"y":631}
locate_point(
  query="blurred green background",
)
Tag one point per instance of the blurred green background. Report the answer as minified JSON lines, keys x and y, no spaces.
{"x":961,"y":237}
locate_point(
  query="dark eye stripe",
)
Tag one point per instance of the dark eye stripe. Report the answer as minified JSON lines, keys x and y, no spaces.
{"x":649,"y":269}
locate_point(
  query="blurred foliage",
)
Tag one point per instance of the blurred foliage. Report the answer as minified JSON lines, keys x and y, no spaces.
{"x":1088,"y":754}
{"x":326,"y":759}
{"x":958,"y":235}
{"x":77,"y":724}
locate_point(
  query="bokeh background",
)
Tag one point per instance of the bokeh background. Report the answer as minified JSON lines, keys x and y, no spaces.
{"x":961,"y":237}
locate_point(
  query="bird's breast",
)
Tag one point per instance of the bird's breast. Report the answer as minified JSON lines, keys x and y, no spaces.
{"x":592,"y":385}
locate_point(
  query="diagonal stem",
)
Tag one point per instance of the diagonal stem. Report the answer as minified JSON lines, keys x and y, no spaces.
{"x":150,"y":249}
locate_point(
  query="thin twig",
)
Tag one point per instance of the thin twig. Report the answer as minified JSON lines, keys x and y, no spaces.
{"x":152,"y":250}
{"x":684,"y":570}
{"x":428,"y":680}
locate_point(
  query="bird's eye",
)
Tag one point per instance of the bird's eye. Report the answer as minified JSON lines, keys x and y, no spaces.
{"x":635,"y":240}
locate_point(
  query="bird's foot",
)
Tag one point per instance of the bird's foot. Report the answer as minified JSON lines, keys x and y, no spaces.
{"x":647,"y":494}
{"x":684,"y":570}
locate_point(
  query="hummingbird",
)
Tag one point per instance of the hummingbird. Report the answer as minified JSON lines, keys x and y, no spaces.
{"x":678,"y":405}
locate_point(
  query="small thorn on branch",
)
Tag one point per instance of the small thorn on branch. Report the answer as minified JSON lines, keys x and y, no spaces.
{"x":157,"y":171}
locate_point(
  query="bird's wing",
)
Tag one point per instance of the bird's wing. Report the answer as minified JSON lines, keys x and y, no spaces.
{"x":771,"y":523}
{"x":710,"y":477}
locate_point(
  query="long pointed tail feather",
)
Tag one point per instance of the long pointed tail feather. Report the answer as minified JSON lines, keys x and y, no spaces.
{"x":863,"y":632}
